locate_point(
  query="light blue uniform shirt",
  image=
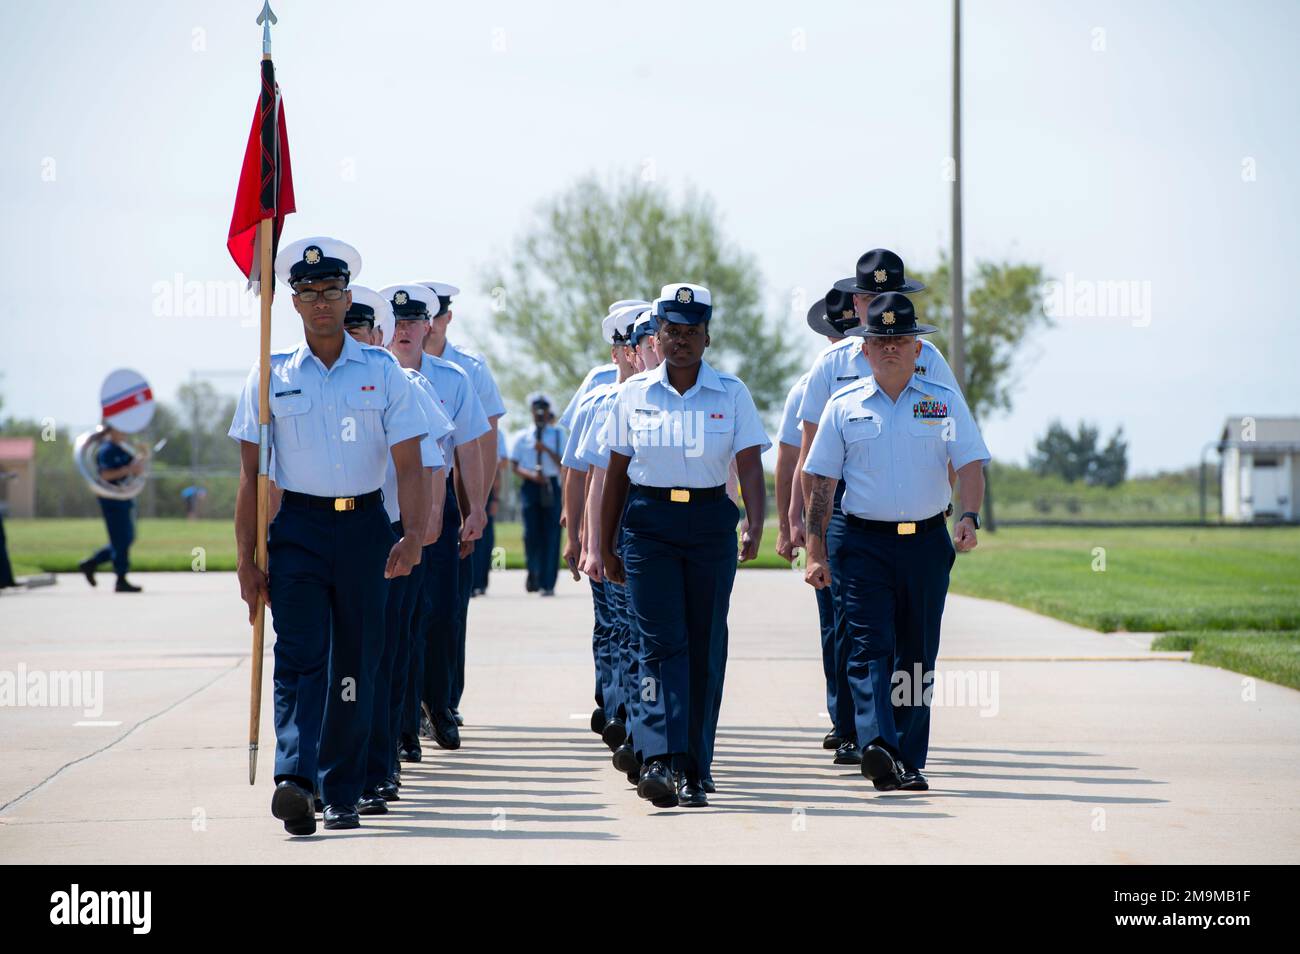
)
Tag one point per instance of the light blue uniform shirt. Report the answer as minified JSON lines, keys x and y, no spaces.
{"x":331,"y":428}
{"x":843,"y":363}
{"x":441,"y":427}
{"x":894,"y":456}
{"x":480,"y":378}
{"x":523,"y":453}
{"x":431,"y":451}
{"x":600,"y":374}
{"x":790,"y":433}
{"x":580,"y":424}
{"x":458,"y":399}
{"x":591,"y":448}
{"x":682,"y":440}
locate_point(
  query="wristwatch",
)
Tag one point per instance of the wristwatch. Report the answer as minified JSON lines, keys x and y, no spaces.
{"x":974,"y":518}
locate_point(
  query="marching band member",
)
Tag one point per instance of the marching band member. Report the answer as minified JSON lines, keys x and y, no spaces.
{"x":115,"y":464}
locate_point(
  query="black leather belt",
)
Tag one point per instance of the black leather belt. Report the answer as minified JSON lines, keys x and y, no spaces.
{"x":682,"y":494}
{"x":902,"y":529}
{"x":339,"y":504}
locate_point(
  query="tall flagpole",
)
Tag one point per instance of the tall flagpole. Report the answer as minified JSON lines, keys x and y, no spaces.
{"x":266,"y":291}
{"x":958,"y":293}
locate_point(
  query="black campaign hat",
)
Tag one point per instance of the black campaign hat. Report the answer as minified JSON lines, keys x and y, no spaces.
{"x":889,"y":315}
{"x":879,"y":271}
{"x":833,"y":315}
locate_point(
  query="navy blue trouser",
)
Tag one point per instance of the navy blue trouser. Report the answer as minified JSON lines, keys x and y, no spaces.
{"x":464,"y":584}
{"x":327,"y":601}
{"x":601,"y":630}
{"x":826,"y":626}
{"x":629,"y":648}
{"x":483,"y":549}
{"x":894,"y":591}
{"x":680,"y":561}
{"x":839,"y":698}
{"x":391,"y":674}
{"x":541,"y":533}
{"x":435,"y":644}
{"x":119,"y":515}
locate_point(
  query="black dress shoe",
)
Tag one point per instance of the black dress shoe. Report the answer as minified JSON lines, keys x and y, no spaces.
{"x":291,"y":803}
{"x":598,"y":721}
{"x":408,"y":749}
{"x":426,"y":727}
{"x":656,"y":782}
{"x":706,"y":783}
{"x":388,"y":791}
{"x":848,"y":754}
{"x":625,"y":759}
{"x":530,"y":584}
{"x":831,"y":740}
{"x":634,"y":776}
{"x":372,"y":803}
{"x":318,"y":806}
{"x":689,"y":793}
{"x":881,"y":768}
{"x":913,"y":781}
{"x":614,"y":734}
{"x":87,"y":569}
{"x":445,"y":732}
{"x":457,"y":717}
{"x":124,"y":587}
{"x":341,"y":816}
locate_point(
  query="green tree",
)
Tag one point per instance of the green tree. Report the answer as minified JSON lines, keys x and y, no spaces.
{"x":1110,"y":464}
{"x":1004,"y":309}
{"x":598,"y":242}
{"x":1074,"y":457}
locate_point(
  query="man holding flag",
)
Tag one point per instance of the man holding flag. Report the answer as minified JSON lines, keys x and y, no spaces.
{"x":338,"y":410}
{"x":333,"y":411}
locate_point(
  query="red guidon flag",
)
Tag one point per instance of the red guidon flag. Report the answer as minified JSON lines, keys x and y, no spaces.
{"x":265,"y":181}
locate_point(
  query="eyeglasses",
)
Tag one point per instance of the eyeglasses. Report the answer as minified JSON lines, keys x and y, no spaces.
{"x":902,"y":341}
{"x":330,"y":294}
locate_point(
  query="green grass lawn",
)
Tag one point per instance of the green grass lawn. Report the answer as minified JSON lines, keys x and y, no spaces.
{"x":1231,"y":595}
{"x":1155,"y":579}
{"x":1274,"y":656}
{"x":57,"y":546}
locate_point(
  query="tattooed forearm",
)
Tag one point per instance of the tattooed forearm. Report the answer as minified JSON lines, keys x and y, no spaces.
{"x":819,"y":507}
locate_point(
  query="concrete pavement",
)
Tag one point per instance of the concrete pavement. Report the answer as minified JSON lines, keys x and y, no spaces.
{"x":1056,"y":744}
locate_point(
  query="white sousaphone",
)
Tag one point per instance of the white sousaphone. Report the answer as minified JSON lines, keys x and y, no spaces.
{"x":127,"y":407}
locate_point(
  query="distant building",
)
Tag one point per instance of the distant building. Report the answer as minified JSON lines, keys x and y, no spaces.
{"x":18,"y":476}
{"x":1259,"y":469}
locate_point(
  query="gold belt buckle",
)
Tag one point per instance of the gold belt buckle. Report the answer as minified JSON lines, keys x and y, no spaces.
{"x":679,"y":495}
{"x":906,"y":529}
{"x":345,"y":503}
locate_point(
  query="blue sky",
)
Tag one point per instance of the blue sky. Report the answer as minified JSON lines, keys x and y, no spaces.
{"x":1140,"y":142}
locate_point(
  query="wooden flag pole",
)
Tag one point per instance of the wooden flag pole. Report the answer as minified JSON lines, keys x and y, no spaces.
{"x":265,"y":294}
